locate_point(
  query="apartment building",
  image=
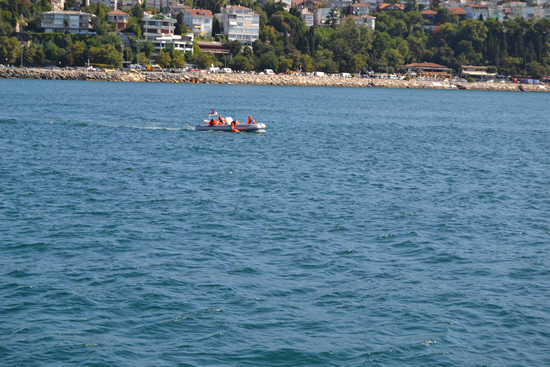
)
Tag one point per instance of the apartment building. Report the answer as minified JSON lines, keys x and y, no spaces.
{"x":239,"y":23}
{"x":199,"y":21}
{"x":157,"y":25}
{"x":54,"y":21}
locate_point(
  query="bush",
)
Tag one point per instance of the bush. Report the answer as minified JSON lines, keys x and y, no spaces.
{"x":471,"y":80}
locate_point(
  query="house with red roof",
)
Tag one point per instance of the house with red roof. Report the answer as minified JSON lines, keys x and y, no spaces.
{"x":361,"y":9}
{"x":199,"y":21}
{"x":459,"y":12}
{"x":389,"y":7}
{"x":119,"y":19}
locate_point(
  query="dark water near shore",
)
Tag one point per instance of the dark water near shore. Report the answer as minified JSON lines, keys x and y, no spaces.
{"x":365,"y":227}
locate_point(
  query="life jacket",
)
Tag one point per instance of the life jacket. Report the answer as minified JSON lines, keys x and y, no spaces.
{"x":220,"y":120}
{"x":212,"y":122}
{"x":250,"y":121}
{"x":233,"y":130}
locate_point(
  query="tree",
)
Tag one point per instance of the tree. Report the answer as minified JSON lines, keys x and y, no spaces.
{"x":333,"y":17}
{"x":411,"y":5}
{"x":164,"y":59}
{"x":66,"y":24}
{"x":240,"y":63}
{"x":285,"y":65}
{"x":10,"y":49}
{"x":205,"y":60}
{"x":445,"y":15}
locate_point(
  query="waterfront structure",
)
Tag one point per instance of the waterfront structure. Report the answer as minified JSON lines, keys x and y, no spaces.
{"x":427,"y":68}
{"x":216,"y":48}
{"x":239,"y":23}
{"x":54,"y":21}
{"x":199,"y":21}
{"x":366,"y":20}
{"x":476,"y":72}
{"x":157,"y":26}
{"x":119,"y":19}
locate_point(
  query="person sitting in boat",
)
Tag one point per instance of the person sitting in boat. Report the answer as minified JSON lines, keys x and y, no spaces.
{"x":250,"y":120}
{"x":233,"y":129}
{"x":221,"y":120}
{"x":212,"y":122}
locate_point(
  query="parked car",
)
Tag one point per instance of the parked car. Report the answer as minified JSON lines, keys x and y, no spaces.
{"x":269,"y":72}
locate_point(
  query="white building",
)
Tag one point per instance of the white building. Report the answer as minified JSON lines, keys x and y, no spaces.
{"x":340,"y":4}
{"x":54,"y":21}
{"x":239,"y":23}
{"x":366,"y":20}
{"x":199,"y":21}
{"x":180,"y":43}
{"x":287,"y":3}
{"x":475,"y":11}
{"x":157,"y":25}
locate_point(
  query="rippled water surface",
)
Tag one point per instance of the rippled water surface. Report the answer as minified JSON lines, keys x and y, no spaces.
{"x":364,"y":227}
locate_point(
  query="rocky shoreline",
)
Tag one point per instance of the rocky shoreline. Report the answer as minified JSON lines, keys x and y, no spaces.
{"x":156,"y":77}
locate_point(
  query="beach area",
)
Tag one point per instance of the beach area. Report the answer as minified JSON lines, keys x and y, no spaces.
{"x":255,"y":79}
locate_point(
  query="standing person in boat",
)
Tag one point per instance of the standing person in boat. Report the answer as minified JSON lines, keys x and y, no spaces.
{"x":250,"y":120}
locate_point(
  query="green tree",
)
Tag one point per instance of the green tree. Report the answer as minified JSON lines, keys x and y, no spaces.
{"x":240,"y":63}
{"x":164,"y":59}
{"x":411,"y":5}
{"x":333,"y":17}
{"x":10,"y":49}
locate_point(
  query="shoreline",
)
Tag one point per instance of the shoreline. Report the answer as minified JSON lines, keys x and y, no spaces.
{"x":247,"y":79}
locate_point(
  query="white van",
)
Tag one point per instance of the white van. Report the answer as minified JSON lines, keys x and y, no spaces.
{"x":269,"y":72}
{"x":318,"y":73}
{"x":393,"y":76}
{"x":227,"y":70}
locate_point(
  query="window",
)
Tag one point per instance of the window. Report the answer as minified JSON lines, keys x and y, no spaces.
{"x":239,"y":24}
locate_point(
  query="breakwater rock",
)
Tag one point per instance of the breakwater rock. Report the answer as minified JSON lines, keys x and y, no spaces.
{"x":327,"y":81}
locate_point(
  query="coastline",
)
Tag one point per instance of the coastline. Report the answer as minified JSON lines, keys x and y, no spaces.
{"x":289,"y":80}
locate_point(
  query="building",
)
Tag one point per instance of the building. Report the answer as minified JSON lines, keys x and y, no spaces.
{"x":388,"y":7}
{"x":199,"y":21}
{"x":366,"y":20}
{"x":54,"y":21}
{"x":477,"y":12}
{"x":286,"y":3}
{"x":216,"y":48}
{"x":360,"y":9}
{"x":157,"y":25}
{"x":180,"y":43}
{"x":164,"y":4}
{"x":239,"y":23}
{"x":476,"y":72}
{"x":178,"y":8}
{"x":460,"y":13}
{"x":340,"y":4}
{"x":307,"y":17}
{"x":320,"y":16}
{"x":127,"y":4}
{"x":427,"y":68}
{"x":119,"y":19}
{"x":111,"y":3}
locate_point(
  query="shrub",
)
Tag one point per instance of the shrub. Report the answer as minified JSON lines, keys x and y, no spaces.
{"x":471,"y":80}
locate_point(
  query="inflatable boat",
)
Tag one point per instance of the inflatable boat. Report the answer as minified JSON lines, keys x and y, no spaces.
{"x":214,"y":123}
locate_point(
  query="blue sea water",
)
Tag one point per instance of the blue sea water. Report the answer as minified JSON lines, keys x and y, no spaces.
{"x":381,"y":227}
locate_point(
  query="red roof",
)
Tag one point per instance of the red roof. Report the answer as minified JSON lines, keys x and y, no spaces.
{"x":429,"y":65}
{"x":199,"y":12}
{"x":429,"y":12}
{"x":118,"y":12}
{"x":478,"y":6}
{"x":457,"y":11}
{"x":385,"y":5}
{"x":355,"y":5}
